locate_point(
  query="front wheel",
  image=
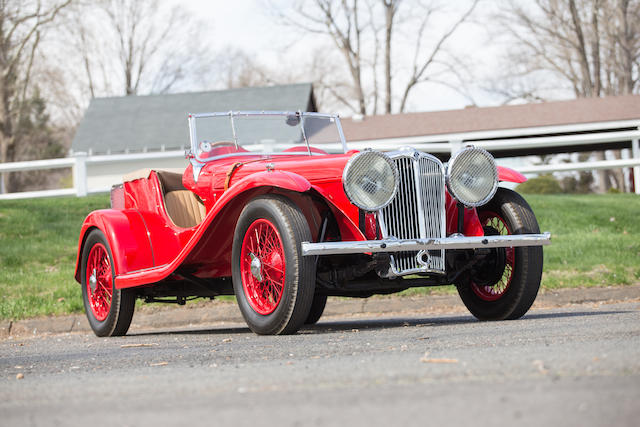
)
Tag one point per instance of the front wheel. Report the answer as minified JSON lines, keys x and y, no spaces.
{"x":317,"y":308}
{"x":109,"y":310}
{"x":505,"y":284}
{"x":273,"y":283}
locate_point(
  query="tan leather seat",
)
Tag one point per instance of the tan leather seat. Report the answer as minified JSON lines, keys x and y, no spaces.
{"x":184,"y":208}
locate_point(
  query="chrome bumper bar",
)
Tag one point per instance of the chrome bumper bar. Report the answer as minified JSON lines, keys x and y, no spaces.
{"x":396,"y":245}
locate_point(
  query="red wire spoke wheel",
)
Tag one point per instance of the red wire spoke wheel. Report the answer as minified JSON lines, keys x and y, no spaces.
{"x":263,"y":266}
{"x":273,"y":283}
{"x":109,"y":310}
{"x":491,"y":292}
{"x":505,"y":283}
{"x":99,"y":286}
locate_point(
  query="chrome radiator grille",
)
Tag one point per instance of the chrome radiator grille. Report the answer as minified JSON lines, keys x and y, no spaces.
{"x":417,"y":211}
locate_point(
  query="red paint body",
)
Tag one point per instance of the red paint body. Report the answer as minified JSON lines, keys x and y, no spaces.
{"x":147,"y":247}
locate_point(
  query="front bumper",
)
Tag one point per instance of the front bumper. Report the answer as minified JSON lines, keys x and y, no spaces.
{"x":397,"y":245}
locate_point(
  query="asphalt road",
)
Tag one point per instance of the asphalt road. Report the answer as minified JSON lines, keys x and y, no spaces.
{"x":576,"y":366}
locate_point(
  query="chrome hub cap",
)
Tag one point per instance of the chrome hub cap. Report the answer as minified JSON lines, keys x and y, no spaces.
{"x":256,"y":267}
{"x":93,"y":281}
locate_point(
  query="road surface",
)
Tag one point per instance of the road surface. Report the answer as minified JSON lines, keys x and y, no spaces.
{"x":571,"y":366}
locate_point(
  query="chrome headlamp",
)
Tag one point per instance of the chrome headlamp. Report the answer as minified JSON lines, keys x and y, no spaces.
{"x":370,"y":180}
{"x":472,"y":176}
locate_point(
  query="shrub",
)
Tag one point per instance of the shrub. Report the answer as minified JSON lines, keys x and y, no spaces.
{"x":543,"y":184}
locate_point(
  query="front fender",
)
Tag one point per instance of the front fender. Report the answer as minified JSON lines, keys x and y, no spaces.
{"x":128,"y":239}
{"x":510,"y":175}
{"x":345,"y":212}
{"x":279,"y":179}
{"x":332,"y":192}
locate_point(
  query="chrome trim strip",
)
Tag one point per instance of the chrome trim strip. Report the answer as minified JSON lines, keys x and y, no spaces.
{"x":233,"y":130}
{"x":304,"y":134}
{"x":262,"y":113}
{"x":419,"y":193}
{"x":340,"y":132}
{"x":231,"y":114}
{"x":395,"y":245}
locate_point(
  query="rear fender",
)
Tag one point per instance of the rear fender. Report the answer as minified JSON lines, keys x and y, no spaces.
{"x":128,"y":239}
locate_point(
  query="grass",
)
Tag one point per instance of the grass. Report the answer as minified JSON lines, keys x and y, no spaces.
{"x":595,"y":239}
{"x":596,"y":242}
{"x":38,"y":254}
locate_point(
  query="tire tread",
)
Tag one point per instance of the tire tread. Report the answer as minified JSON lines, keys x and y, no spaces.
{"x":525,"y":283}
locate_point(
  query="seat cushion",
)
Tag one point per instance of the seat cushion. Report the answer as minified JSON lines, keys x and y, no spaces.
{"x":184,"y":208}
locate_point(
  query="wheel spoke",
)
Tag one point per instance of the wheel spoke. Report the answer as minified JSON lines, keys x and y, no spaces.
{"x":263,"y":241}
{"x":493,"y":220}
{"x":99,"y":270}
{"x":273,"y":267}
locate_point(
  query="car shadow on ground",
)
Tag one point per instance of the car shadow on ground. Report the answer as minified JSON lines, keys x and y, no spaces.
{"x":398,"y":322}
{"x":331,"y":326}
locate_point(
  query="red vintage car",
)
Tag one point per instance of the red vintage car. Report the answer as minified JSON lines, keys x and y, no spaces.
{"x":274,"y":209}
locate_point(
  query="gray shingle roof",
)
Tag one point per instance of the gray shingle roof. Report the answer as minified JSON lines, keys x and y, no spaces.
{"x":156,"y":122}
{"x":576,"y":111}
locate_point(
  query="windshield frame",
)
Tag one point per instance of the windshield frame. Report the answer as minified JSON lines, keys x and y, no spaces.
{"x":235,"y":114}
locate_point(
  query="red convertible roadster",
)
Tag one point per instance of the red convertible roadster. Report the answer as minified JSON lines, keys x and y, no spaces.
{"x":274,"y":209}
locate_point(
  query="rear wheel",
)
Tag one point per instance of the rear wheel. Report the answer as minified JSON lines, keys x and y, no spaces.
{"x":109,"y":310}
{"x":274,"y":284}
{"x":505,"y":284}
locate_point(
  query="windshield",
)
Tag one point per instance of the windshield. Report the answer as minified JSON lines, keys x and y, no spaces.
{"x":244,"y":133}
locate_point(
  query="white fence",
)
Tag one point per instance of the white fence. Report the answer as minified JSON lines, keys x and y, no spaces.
{"x":81,"y":161}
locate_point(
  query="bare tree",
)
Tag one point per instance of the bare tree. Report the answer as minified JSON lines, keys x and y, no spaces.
{"x":139,"y":39}
{"x":21,"y":30}
{"x":356,"y":27}
{"x":128,"y":47}
{"x":341,"y":20}
{"x":390,"y":8}
{"x":590,"y":47}
{"x":236,"y":69}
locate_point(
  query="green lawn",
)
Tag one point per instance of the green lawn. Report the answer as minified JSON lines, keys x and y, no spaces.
{"x":38,"y":245}
{"x":596,"y":241}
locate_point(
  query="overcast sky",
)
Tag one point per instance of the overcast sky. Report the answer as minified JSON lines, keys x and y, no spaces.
{"x":250,"y":26}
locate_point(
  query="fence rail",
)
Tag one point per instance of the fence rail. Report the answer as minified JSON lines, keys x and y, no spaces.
{"x":81,"y":161}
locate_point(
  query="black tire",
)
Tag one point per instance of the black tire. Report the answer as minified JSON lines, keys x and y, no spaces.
{"x":317,"y":307}
{"x":256,"y":283}
{"x":486,"y":296}
{"x":115,"y":321}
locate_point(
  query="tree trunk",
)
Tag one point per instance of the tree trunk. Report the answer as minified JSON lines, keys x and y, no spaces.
{"x":389,"y":12}
{"x":603,"y":176}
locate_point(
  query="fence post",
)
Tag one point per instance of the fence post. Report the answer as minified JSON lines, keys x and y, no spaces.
{"x":635,"y":153}
{"x":80,"y":174}
{"x":455,"y":146}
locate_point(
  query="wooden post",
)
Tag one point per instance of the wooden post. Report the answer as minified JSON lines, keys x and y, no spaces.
{"x":635,"y":153}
